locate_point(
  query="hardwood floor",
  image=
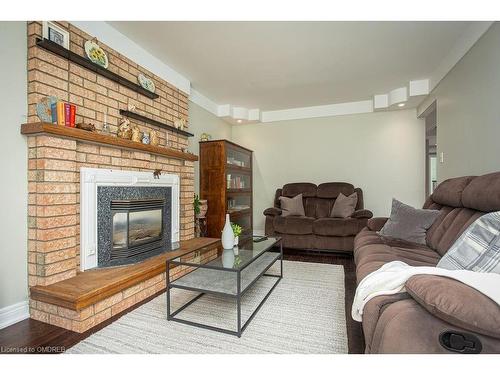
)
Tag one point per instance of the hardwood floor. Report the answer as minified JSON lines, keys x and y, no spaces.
{"x":32,"y":336}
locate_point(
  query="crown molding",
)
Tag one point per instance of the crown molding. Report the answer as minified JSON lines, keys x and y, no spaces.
{"x":107,"y":34}
{"x":204,"y":102}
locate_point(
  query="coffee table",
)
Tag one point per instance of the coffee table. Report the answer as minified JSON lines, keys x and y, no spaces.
{"x":227,"y":273}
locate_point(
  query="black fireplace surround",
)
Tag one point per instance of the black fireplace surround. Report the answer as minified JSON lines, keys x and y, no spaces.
{"x":133,"y":223}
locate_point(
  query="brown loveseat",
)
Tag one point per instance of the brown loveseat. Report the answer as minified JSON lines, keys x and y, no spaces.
{"x":434,"y":309}
{"x":316,"y":230}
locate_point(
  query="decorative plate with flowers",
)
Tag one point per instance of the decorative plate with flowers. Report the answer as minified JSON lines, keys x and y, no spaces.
{"x":96,"y":54}
{"x":146,"y":82}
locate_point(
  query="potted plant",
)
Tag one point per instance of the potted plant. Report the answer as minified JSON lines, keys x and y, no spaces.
{"x":196,"y":205}
{"x":237,"y":232}
{"x":200,"y":207}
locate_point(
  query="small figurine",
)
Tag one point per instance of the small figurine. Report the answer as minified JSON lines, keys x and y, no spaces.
{"x":124,"y":130}
{"x":136,"y":133}
{"x":105,"y":126}
{"x":154,"y":138}
{"x":180,"y":123}
{"x":205,"y":137}
{"x":157,"y":173}
{"x":145,"y":138}
{"x":88,"y":127}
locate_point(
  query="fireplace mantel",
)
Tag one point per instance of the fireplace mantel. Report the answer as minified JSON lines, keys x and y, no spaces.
{"x":43,"y":128}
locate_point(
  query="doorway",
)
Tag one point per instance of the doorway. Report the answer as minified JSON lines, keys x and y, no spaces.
{"x":430,"y":117}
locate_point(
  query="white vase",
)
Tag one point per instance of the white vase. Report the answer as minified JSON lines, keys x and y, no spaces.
{"x":227,"y":235}
{"x":228,"y":258}
{"x":236,"y":240}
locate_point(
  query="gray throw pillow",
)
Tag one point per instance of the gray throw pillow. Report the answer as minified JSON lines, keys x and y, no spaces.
{"x":344,"y":206}
{"x":292,"y":206}
{"x":478,"y":248}
{"x":408,"y":223}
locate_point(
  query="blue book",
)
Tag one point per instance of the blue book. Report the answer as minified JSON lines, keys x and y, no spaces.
{"x":53,"y":112}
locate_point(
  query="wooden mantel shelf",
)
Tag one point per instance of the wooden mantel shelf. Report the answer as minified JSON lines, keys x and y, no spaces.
{"x":94,"y":137}
{"x":92,"y":286}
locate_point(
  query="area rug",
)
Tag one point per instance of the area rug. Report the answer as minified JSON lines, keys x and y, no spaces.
{"x":304,"y":314}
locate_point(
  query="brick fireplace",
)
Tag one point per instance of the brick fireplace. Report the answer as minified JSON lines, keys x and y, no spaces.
{"x":55,"y":162}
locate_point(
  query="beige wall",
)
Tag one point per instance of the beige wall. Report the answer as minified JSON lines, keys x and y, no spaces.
{"x":13,"y":166}
{"x":383,"y":153}
{"x":202,"y":121}
{"x":468,"y":111}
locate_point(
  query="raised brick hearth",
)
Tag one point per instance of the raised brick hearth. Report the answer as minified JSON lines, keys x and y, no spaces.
{"x":54,"y":164}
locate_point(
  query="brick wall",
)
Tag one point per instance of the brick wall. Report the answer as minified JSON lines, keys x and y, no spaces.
{"x":54,"y":163}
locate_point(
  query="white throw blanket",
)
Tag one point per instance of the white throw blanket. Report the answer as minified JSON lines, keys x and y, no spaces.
{"x":392,"y":276}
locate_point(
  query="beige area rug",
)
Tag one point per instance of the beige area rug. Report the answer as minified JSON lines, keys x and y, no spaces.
{"x":304,"y":314}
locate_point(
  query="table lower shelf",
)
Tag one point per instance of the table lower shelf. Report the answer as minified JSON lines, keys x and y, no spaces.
{"x":225,"y":282}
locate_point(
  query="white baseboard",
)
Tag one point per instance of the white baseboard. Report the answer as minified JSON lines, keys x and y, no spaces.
{"x":14,"y":313}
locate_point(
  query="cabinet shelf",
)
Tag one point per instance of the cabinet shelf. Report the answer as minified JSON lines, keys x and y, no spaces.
{"x":237,"y":168}
{"x":86,"y":63}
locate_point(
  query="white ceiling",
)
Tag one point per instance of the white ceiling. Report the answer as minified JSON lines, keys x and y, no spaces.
{"x":277,"y":65}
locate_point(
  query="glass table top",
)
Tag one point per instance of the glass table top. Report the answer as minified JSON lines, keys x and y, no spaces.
{"x":231,"y":260}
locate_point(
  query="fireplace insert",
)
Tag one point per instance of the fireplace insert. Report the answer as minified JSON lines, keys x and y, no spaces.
{"x":137,"y":226}
{"x":133,"y":223}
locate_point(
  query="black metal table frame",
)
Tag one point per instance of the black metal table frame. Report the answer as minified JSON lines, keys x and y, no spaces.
{"x":237,"y":296}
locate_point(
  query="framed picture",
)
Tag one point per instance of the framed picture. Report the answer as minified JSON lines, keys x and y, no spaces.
{"x":56,"y":34}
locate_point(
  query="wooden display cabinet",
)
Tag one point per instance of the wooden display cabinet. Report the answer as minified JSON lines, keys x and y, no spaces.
{"x":226,"y":183}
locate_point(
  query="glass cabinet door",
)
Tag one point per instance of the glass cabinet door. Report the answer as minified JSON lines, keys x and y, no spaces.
{"x":237,"y":180}
{"x":238,"y":203}
{"x":244,"y":221}
{"x":238,"y":158}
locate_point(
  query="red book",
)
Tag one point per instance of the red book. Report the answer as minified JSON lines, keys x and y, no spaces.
{"x":67,"y":114}
{"x":72,"y":115}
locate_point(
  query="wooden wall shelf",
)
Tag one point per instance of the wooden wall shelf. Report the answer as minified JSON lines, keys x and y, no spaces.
{"x":84,"y":62}
{"x":94,"y":137}
{"x":154,"y":122}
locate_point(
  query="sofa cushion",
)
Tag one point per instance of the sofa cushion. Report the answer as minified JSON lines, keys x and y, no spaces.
{"x":292,"y":206}
{"x":449,"y":226}
{"x":449,"y":192}
{"x":333,"y":226}
{"x":344,"y":206}
{"x":323,"y":207}
{"x":331,"y":190}
{"x":334,"y":243}
{"x":408,"y":223}
{"x":483,"y":193}
{"x":456,"y":303}
{"x":374,"y":255}
{"x":305,"y":188}
{"x":293,"y":224}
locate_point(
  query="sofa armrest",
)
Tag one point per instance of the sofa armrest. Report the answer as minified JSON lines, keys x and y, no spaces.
{"x":272,"y":211}
{"x":362,"y":214}
{"x":456,"y":303}
{"x":376,"y":223}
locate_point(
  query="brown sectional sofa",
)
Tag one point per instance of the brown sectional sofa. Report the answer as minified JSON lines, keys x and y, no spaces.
{"x":434,"y":308}
{"x":317,"y":230}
